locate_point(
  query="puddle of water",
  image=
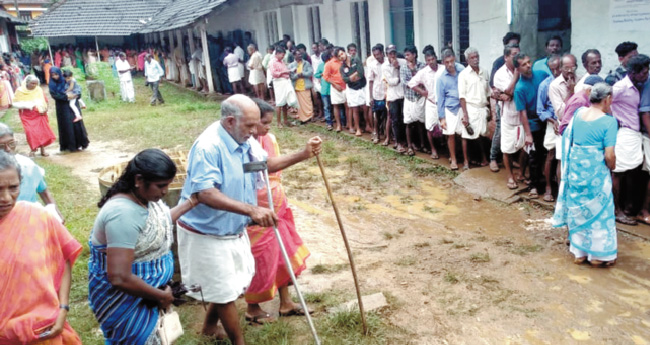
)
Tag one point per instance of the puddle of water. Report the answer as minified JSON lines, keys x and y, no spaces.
{"x":579,"y":335}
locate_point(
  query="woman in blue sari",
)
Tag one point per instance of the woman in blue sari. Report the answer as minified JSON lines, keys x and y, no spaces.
{"x":130,"y":251}
{"x":585,"y":202}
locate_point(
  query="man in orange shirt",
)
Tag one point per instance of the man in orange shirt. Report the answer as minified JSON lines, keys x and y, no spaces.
{"x":332,"y":74}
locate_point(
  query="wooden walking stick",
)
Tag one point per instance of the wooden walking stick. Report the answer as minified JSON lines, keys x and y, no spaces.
{"x":347,"y":245}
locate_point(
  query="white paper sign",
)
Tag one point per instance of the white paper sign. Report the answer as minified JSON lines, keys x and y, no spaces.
{"x":630,"y":15}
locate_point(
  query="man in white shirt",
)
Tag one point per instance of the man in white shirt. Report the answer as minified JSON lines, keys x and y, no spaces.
{"x":126,"y":83}
{"x":474,"y":95}
{"x":378,"y":92}
{"x":424,"y":83}
{"x":395,"y":97}
{"x":153,"y":72}
{"x":239,"y":51}
{"x":512,"y":130}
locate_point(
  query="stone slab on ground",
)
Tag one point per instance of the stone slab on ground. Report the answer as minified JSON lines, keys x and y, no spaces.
{"x":487,"y":184}
{"x":370,"y":303}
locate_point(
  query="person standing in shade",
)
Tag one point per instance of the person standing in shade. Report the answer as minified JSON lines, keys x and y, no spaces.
{"x":126,"y":82}
{"x":300,"y":73}
{"x":547,"y":114}
{"x":449,"y":110}
{"x":525,"y":98}
{"x":153,"y":72}
{"x":413,"y":102}
{"x":629,"y":151}
{"x":424,"y":83}
{"x":474,"y":96}
{"x":395,"y":98}
{"x":353,"y":75}
{"x":378,"y":92}
{"x":553,"y":47}
{"x":625,"y":52}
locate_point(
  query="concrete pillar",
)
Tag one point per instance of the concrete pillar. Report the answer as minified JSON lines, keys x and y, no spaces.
{"x":426,"y":26}
{"x":172,"y":46}
{"x":524,"y":21}
{"x":380,"y":27}
{"x":455,"y":27}
{"x":301,"y":21}
{"x":162,"y":39}
{"x":285,"y":22}
{"x":327,"y":19}
{"x":206,"y":59}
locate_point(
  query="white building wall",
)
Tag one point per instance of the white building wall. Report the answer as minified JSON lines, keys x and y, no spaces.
{"x":327,"y":19}
{"x":487,"y":26}
{"x":590,"y":29}
{"x":241,"y":15}
{"x":426,"y":24}
{"x":344,"y":23}
{"x":380,"y":28}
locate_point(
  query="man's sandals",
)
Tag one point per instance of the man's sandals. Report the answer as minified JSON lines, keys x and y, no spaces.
{"x":260,"y":319}
{"x":296,"y":311}
{"x":624,"y":219}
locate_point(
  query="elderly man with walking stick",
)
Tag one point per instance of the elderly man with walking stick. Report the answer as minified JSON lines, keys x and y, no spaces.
{"x":213,"y":247}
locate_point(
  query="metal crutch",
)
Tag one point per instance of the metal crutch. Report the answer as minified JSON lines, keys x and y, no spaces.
{"x":261,"y":166}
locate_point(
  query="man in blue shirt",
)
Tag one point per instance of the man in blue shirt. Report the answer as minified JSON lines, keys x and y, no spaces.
{"x":546,"y":114}
{"x":553,"y":47}
{"x":449,"y":103}
{"x":525,"y":98}
{"x":213,"y":248}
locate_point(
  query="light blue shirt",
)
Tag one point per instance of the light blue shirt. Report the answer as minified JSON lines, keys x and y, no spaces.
{"x":545,"y":109}
{"x":447,"y":92}
{"x":32,"y":179}
{"x":216,"y":161}
{"x":541,"y":65}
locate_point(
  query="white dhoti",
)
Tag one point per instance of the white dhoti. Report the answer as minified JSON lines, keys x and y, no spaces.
{"x":629,"y":153}
{"x":126,"y":90}
{"x":513,"y":138}
{"x":414,"y":111}
{"x":558,"y":148}
{"x":269,"y":78}
{"x":454,"y":125}
{"x":256,"y":77}
{"x":355,"y":98}
{"x":242,"y":70}
{"x":550,"y":138}
{"x":430,"y":115}
{"x":366,"y":90}
{"x":224,"y":267}
{"x":284,"y":93}
{"x":646,"y":152}
{"x":477,"y":119}
{"x":233,"y":75}
{"x":201,"y":71}
{"x":336,"y":96}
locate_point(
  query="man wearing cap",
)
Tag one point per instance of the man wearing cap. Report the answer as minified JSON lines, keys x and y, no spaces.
{"x":395,"y":97}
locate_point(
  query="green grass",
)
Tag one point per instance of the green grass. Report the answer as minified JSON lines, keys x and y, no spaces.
{"x":176,"y":125}
{"x":406,"y":261}
{"x":451,"y":278}
{"x":525,"y":249}
{"x":480,"y":257}
{"x":326,"y":269}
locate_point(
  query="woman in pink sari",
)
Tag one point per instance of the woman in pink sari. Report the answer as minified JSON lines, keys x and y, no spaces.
{"x":271,"y":274}
{"x":36,"y":258}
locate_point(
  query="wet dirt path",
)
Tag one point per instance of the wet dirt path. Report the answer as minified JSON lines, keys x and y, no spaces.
{"x":456,"y":269}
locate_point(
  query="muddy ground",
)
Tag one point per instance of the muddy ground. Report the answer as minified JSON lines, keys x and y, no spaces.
{"x":456,"y":268}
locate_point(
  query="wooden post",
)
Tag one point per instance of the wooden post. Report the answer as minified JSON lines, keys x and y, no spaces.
{"x":206,"y":58}
{"x":182,"y":63}
{"x":99,"y":58}
{"x":162,"y":40}
{"x":50,"y":49}
{"x":190,"y":39}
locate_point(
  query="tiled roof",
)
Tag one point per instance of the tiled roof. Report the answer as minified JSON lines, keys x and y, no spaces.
{"x":180,"y":13}
{"x":97,"y":17}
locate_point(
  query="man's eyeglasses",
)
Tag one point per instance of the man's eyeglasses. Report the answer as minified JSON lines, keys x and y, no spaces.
{"x":9,"y":145}
{"x":569,"y":69}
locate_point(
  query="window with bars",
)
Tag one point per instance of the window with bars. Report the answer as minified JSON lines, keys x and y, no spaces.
{"x":361,"y":27}
{"x":314,"y":24}
{"x":271,"y":25}
{"x":463,"y":29}
{"x":401,"y":18}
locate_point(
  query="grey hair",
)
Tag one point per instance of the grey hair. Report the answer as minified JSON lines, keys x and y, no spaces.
{"x":5,"y":130}
{"x":230,"y":108}
{"x":469,"y":51}
{"x":8,"y":161}
{"x":599,"y":92}
{"x":252,"y":45}
{"x":447,"y":53}
{"x":30,"y":78}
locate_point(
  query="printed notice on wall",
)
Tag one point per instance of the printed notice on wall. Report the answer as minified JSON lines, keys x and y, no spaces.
{"x":630,"y":15}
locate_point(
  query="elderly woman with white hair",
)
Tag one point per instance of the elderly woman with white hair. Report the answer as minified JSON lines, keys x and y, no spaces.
{"x":32,"y":108}
{"x":585,"y":202}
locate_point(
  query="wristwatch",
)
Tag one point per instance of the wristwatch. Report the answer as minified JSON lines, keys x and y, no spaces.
{"x":64,"y":306}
